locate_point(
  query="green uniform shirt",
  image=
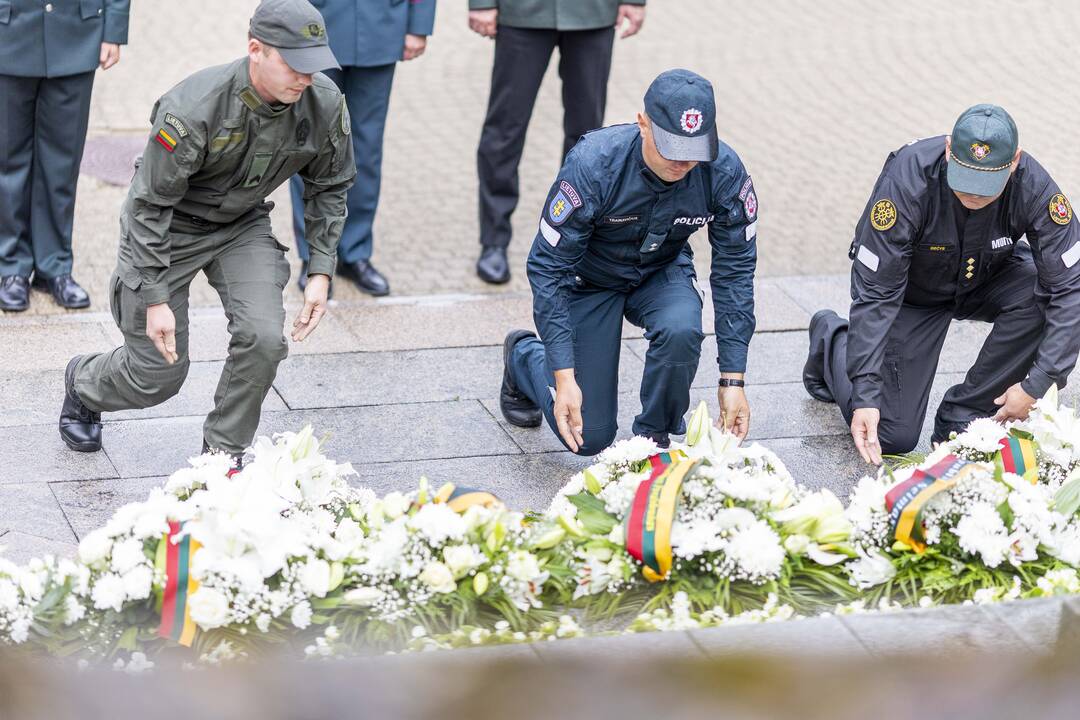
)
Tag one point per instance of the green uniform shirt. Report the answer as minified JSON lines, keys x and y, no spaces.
{"x":555,"y":14}
{"x":217,"y":150}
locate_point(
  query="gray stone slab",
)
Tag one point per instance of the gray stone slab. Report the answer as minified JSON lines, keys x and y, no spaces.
{"x":675,"y":645}
{"x":20,"y":547}
{"x":31,"y":508}
{"x":523,"y":482}
{"x":152,"y":447}
{"x":818,"y":292}
{"x":773,"y":307}
{"x":1037,"y":621}
{"x":935,"y":632}
{"x":812,"y":637}
{"x":406,"y":376}
{"x":50,"y":343}
{"x":395,"y":433}
{"x":774,"y":357}
{"x":89,"y":504}
{"x":35,"y":453}
{"x":35,"y":396}
{"x":822,"y":462}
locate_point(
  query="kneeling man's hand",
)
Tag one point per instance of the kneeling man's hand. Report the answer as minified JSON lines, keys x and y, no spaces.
{"x":315,"y":305}
{"x":1015,"y":404}
{"x":568,"y":408}
{"x":161,"y":329}
{"x":864,"y":431}
{"x":734,"y":411}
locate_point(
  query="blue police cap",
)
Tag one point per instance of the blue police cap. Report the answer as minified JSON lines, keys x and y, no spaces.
{"x":682,"y":109}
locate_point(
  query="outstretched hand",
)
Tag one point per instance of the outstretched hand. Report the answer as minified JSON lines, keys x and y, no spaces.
{"x":315,"y":307}
{"x":734,"y":411}
{"x":864,"y":431}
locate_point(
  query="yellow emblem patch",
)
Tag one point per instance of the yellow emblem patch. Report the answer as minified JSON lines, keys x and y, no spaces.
{"x":883,"y":215}
{"x":1060,"y":209}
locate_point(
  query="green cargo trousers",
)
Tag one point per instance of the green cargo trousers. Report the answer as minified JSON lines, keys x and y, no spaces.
{"x":246,"y":265}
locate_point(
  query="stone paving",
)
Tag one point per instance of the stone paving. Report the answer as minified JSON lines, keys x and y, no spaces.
{"x":813,"y":96}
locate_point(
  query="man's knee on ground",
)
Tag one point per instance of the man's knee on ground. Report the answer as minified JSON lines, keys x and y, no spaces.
{"x":898,"y":440}
{"x":595,"y":440}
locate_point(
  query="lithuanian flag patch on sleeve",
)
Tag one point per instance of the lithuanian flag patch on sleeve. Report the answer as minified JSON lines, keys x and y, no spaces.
{"x":166,"y":140}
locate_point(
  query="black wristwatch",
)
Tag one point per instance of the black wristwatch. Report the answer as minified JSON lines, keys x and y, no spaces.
{"x":731,"y":382}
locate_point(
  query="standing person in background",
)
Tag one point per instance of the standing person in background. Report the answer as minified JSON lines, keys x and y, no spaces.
{"x":49,"y":52}
{"x":525,"y":32}
{"x":368,"y":37}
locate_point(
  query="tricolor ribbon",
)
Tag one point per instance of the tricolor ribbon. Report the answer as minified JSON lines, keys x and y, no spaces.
{"x":174,"y":555}
{"x":907,"y":500}
{"x":1018,"y":456}
{"x":648,"y":526}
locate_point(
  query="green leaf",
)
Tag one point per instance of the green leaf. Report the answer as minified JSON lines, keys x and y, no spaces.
{"x":1067,"y":498}
{"x":592,"y":514}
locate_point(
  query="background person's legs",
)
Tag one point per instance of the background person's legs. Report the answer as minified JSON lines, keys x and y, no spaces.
{"x":584,"y":66}
{"x":596,"y":317}
{"x":668,"y":306}
{"x":17,"y":119}
{"x":63,"y":112}
{"x":907,"y":372}
{"x":1008,"y":301}
{"x":250,"y":277}
{"x":521,"y":57}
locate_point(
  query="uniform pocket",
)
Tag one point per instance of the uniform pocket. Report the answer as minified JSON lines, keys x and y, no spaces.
{"x":114,"y":298}
{"x":90,"y":9}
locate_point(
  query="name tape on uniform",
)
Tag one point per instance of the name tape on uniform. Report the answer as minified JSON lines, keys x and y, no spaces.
{"x":868,"y":258}
{"x":1070,"y":256}
{"x":550,"y":234}
{"x":751,"y":231}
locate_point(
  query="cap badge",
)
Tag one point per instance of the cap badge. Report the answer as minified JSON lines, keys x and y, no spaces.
{"x":979,"y":151}
{"x":313,"y":31}
{"x":883,"y":215}
{"x":1060,"y":209}
{"x":692,"y":120}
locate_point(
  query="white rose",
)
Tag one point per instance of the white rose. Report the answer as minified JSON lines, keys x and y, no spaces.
{"x":95,"y":547}
{"x":438,"y":577}
{"x":363,"y":596}
{"x":522,"y":566}
{"x":461,"y":559}
{"x":126,"y":554}
{"x":395,"y":505}
{"x":870,"y":570}
{"x":137,"y":582}
{"x":315,"y":577}
{"x":209,"y":608}
{"x":108,"y":592}
{"x":301,"y":615}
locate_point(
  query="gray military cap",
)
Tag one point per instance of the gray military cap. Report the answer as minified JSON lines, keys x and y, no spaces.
{"x":297,"y":30}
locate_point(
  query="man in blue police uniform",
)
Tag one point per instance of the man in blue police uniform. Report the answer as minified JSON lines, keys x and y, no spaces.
{"x":368,"y":37}
{"x":942,"y":238}
{"x":613,"y":242}
{"x":49,"y":52}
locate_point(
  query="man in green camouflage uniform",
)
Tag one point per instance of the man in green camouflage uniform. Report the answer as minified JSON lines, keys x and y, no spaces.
{"x":222,"y":141}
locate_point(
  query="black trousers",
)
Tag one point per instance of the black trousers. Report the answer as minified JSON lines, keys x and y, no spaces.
{"x":914,"y":344}
{"x":521,"y":58}
{"x":43,"y":124}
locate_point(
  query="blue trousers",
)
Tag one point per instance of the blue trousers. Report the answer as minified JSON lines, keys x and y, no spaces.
{"x":668,"y":307}
{"x":367,"y":95}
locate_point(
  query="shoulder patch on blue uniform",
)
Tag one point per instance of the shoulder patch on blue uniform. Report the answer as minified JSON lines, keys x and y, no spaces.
{"x":563,"y":205}
{"x":745,"y":188}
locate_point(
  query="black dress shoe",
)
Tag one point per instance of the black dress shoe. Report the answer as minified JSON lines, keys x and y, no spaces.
{"x":80,"y":427}
{"x":14,"y":293}
{"x":515,"y":405}
{"x":492,"y":267}
{"x":301,"y":282}
{"x":366,"y":277}
{"x":65,"y":291}
{"x":813,"y":374}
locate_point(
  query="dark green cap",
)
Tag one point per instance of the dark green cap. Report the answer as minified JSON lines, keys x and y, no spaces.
{"x":984,"y":142}
{"x":297,"y":30}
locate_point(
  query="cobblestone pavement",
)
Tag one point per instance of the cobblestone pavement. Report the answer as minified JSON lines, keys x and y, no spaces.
{"x":813,"y":96}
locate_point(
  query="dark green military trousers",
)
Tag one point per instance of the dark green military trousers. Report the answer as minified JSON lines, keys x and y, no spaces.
{"x":246,"y":265}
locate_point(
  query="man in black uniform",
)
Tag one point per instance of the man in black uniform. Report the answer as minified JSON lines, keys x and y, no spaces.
{"x":940,"y":239}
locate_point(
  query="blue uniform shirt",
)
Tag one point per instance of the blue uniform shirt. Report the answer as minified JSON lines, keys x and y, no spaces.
{"x":58,"y":38}
{"x":611,"y":222}
{"x":366,"y":33}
